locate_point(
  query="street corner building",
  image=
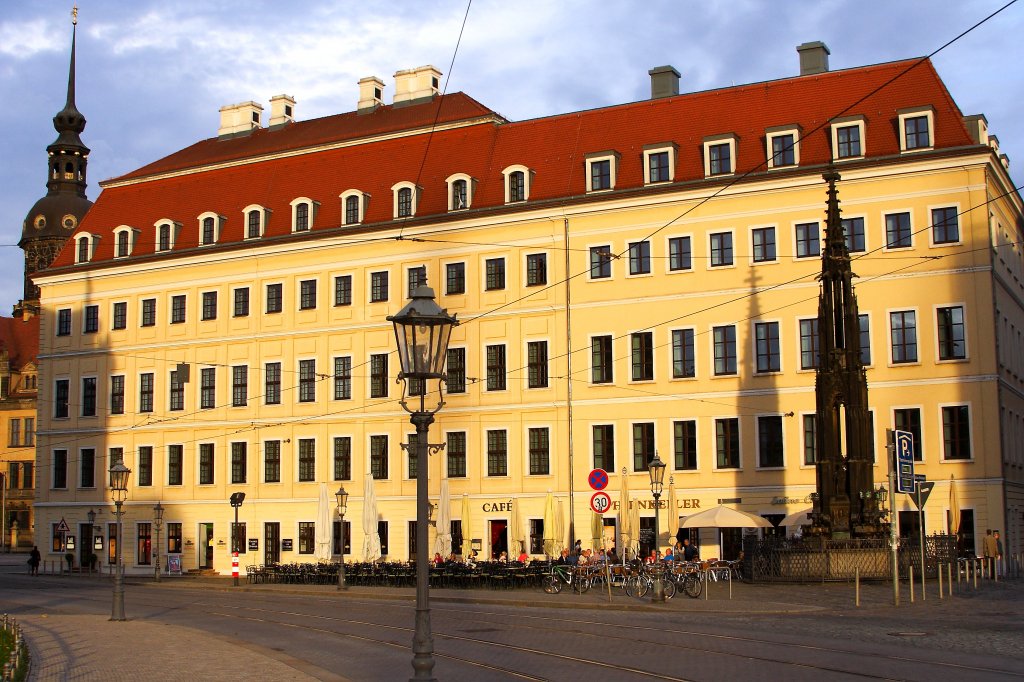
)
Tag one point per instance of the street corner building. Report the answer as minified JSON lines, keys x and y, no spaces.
{"x":630,"y":280}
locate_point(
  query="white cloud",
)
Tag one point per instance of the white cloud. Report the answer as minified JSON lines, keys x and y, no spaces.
{"x":25,"y":39}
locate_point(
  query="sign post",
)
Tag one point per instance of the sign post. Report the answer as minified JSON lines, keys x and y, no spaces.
{"x":904,"y":442}
{"x":890,"y":446}
{"x":922,"y":489}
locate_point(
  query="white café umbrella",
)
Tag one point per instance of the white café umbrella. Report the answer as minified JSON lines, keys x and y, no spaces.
{"x":725,"y":517}
{"x":549,"y":525}
{"x":559,"y":528}
{"x":443,"y":542}
{"x":515,"y":533}
{"x":371,"y":541}
{"x":673,"y":514}
{"x":323,"y":526}
{"x":954,"y":509}
{"x":625,"y":532}
{"x":597,"y":530}
{"x":467,"y":518}
{"x":634,"y":527}
{"x":797,"y":518}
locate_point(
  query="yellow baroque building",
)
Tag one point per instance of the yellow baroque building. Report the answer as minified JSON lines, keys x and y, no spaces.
{"x":632,"y":279}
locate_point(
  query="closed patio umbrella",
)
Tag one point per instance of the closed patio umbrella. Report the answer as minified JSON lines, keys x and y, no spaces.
{"x":371,"y":540}
{"x":597,"y":530}
{"x":549,"y":525}
{"x":954,"y":509}
{"x":634,"y":527}
{"x":673,"y":513}
{"x":467,"y":524}
{"x":443,"y":542}
{"x":625,"y":531}
{"x":324,"y":531}
{"x":559,"y":528}
{"x":515,"y":532}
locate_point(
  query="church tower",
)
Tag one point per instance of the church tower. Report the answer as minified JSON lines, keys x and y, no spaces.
{"x":845,"y":503}
{"x":53,"y":218}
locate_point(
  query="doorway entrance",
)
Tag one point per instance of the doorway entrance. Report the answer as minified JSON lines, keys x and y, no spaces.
{"x":271,"y":542}
{"x":85,"y":551}
{"x":205,"y":545}
{"x":646,"y":536}
{"x":499,"y":537}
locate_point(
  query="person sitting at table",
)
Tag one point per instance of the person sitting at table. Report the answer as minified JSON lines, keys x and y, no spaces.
{"x":669,"y":556}
{"x":654,"y":557}
{"x":690,"y":552}
{"x":523,"y":557}
{"x":438,"y":560}
{"x":567,"y":558}
{"x":612,"y":556}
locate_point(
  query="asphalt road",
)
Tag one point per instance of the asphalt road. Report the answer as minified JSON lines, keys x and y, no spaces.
{"x":186,"y":628}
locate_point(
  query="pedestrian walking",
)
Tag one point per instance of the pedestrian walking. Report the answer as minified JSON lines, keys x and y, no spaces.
{"x":999,"y":554}
{"x":990,"y":547}
{"x":33,"y":561}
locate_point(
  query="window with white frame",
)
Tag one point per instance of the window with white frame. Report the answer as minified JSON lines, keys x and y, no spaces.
{"x":719,"y":155}
{"x":602,"y":168}
{"x":405,"y":196}
{"x":517,"y":183}
{"x":808,"y":242}
{"x":460,"y":191}
{"x":353,"y":206}
{"x":916,"y":126}
{"x":783,"y":146}
{"x":86,"y":243}
{"x":848,"y":137}
{"x":762,"y":242}
{"x":304,"y":212}
{"x":210,"y":225}
{"x":256,"y":219}
{"x":659,"y":163}
{"x":166,"y":234}
{"x":125,"y":238}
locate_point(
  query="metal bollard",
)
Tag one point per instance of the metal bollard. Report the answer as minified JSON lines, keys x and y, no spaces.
{"x":939,"y":571}
{"x":975,"y":562}
{"x":910,"y":575}
{"x":949,"y":577}
{"x":856,"y":582}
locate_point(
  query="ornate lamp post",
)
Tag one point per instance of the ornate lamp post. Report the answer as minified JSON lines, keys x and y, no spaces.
{"x":119,"y":474}
{"x":422,"y":330}
{"x":236,"y":502}
{"x":342,"y":497}
{"x":657,"y":471}
{"x":158,"y":521}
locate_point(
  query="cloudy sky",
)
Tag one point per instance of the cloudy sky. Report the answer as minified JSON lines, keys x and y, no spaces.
{"x":152,"y":75}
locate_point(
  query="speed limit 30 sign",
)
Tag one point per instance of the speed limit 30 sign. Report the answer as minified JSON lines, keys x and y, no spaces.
{"x":600,"y":502}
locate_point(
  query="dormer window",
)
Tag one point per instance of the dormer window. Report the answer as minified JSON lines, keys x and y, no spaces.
{"x":353,"y":206}
{"x":209,"y":228}
{"x":517,"y":183}
{"x":916,"y":127}
{"x":460,"y":191}
{"x":256,"y":218}
{"x":848,"y":138}
{"x":406,"y":196}
{"x":659,"y":163}
{"x":783,"y":146}
{"x":303,"y":214}
{"x":85,"y":244}
{"x":125,"y":237}
{"x":166,"y":234}
{"x":602,"y":168}
{"x":719,"y":155}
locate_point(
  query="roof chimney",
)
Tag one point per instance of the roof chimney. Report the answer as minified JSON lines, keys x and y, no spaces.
{"x":664,"y":82}
{"x":977,"y":126}
{"x":416,"y":85}
{"x":282,"y":110}
{"x":813,"y":57}
{"x":239,"y":118}
{"x":371,"y":94}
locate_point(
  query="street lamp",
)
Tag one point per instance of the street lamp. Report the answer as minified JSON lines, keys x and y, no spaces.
{"x":342,"y":497}
{"x":236,"y":502}
{"x":119,"y":489}
{"x":656,"y":469}
{"x":422,"y":330}
{"x":158,"y":521}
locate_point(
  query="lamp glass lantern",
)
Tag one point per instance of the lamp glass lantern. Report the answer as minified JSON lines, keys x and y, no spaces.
{"x":656,"y":469}
{"x":119,"y":474}
{"x":422,"y":331}
{"x":342,"y":498}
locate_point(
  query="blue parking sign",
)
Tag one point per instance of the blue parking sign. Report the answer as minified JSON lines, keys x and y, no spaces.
{"x":904,"y":442}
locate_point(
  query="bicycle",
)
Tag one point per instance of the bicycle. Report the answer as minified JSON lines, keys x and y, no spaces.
{"x":642,"y":581}
{"x":576,"y":577}
{"x":689,"y":578}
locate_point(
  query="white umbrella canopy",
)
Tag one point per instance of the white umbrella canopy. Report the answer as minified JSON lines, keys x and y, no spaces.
{"x":515,"y":533}
{"x":673,"y":514}
{"x":549,"y":525}
{"x":725,"y":517}
{"x":597,"y":530}
{"x":625,"y":531}
{"x":634,"y":527}
{"x":559,"y":528}
{"x":322,"y":551}
{"x":798,"y":518}
{"x":371,"y":541}
{"x":443,"y":542}
{"x":467,"y":522}
{"x":954,"y":508}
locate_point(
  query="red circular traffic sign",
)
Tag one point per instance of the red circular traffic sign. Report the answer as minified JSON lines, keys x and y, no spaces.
{"x":598,"y":479}
{"x":600,"y":502}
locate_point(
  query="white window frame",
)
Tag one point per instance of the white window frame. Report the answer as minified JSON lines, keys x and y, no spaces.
{"x":888,"y":337}
{"x":525,"y":350}
{"x":657,"y":148}
{"x":218,"y":225}
{"x":714,"y":140}
{"x":921,"y":409}
{"x":470,"y":190}
{"x":525,"y":463}
{"x":732,"y":265}
{"x":803,"y":439}
{"x":942,"y":436}
{"x":836,"y":124}
{"x":175,"y":229}
{"x":779,"y":131}
{"x":821,"y":237}
{"x":364,"y":198}
{"x":415,"y":196}
{"x":885,"y":229}
{"x":757,"y":442}
{"x":935,"y":333}
{"x":527,"y":182}
{"x":547,"y":263}
{"x":264,"y":218}
{"x":913,"y":112}
{"x":750,"y":240}
{"x":714,"y":441}
{"x":613,"y":168}
{"x":314,"y":208}
{"x":668,"y":252}
{"x":931,"y":225}
{"x":133,"y":236}
{"x":92,"y":241}
{"x":780,"y":325}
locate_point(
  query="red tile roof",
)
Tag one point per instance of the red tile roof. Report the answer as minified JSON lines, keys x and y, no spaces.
{"x":553,"y":147}
{"x":20,"y":338}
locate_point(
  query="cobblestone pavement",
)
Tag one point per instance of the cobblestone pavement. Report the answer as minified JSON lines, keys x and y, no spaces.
{"x":67,"y":644}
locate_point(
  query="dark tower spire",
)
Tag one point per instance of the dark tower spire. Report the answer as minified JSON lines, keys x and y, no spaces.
{"x":845,"y":504}
{"x":54,"y":217}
